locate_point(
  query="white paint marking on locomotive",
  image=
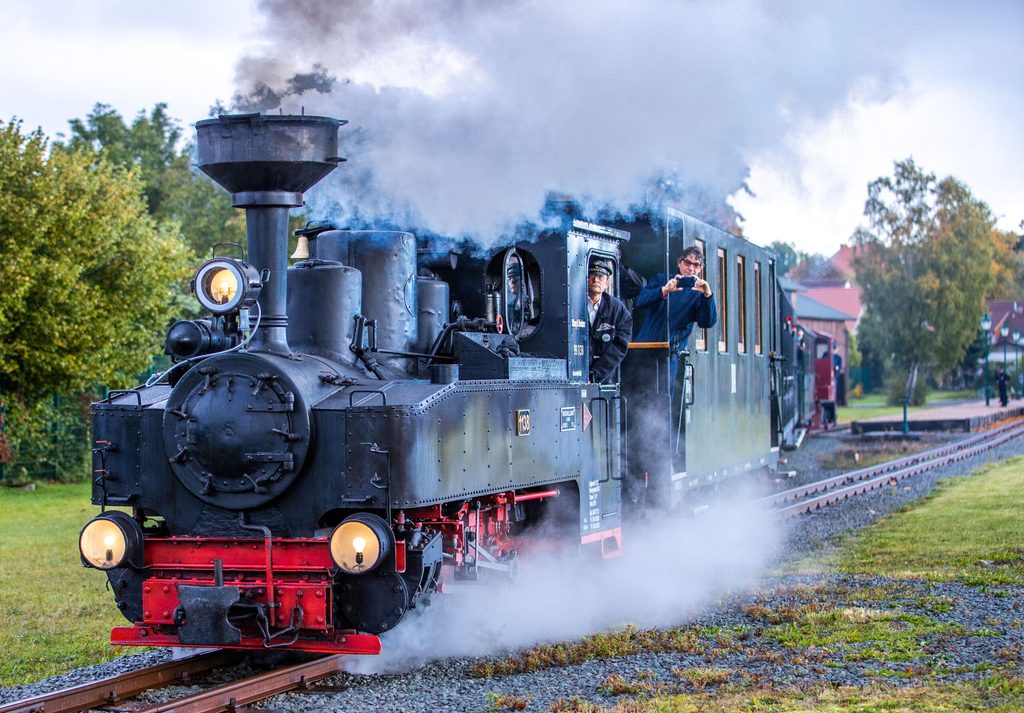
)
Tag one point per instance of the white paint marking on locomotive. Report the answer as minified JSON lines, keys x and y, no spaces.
{"x":733,"y":378}
{"x":678,"y":476}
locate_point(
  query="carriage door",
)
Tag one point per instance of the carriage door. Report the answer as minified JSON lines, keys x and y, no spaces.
{"x":699,"y":380}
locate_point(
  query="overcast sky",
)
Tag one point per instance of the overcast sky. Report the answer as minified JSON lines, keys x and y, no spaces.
{"x":941,"y":82}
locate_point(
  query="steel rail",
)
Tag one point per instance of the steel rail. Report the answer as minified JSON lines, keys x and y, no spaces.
{"x":871,"y":471}
{"x":116,"y":688}
{"x":868,"y":479}
{"x":232,"y":696}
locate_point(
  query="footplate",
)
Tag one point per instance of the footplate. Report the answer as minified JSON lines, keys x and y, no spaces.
{"x":347,"y":642}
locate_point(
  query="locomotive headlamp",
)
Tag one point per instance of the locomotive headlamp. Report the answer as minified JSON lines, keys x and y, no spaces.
{"x":225,"y":285}
{"x":111,"y":540}
{"x":360,"y":543}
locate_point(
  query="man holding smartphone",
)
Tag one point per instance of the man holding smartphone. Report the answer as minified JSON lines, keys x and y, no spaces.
{"x":675,"y":303}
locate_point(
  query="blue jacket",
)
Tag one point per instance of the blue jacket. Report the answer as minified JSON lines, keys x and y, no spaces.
{"x":682,"y":308}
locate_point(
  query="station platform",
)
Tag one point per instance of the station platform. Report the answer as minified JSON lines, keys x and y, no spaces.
{"x":966,"y":417}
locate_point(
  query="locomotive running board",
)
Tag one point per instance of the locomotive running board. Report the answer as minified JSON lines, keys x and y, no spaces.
{"x":356,"y":644}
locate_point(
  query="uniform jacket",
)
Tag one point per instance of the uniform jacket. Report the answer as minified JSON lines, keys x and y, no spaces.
{"x":682,"y":308}
{"x":609,"y":337}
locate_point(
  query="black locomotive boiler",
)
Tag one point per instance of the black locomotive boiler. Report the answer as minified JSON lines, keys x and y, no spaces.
{"x":333,"y":445}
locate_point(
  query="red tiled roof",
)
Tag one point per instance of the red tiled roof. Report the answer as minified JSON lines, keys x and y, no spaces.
{"x":844,"y":299}
{"x":1009,"y":313}
{"x":842,"y":261}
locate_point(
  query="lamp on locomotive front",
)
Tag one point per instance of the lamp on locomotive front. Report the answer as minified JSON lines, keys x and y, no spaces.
{"x":360,"y":543}
{"x":224,"y":285}
{"x":111,"y":540}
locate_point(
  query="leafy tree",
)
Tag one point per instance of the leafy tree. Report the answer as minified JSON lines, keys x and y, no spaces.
{"x":927,"y":261}
{"x":813,"y":266}
{"x":87,"y":273}
{"x":1009,"y":266}
{"x":150,"y":145}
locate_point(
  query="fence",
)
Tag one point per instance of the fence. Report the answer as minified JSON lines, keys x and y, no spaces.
{"x":51,"y":444}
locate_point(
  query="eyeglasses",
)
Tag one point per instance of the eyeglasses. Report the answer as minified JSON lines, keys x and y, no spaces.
{"x":693,"y":263}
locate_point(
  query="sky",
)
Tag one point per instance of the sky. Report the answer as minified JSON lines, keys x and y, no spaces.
{"x":465,"y":115}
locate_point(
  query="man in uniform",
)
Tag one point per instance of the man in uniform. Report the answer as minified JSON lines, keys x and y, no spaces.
{"x":611,"y":324}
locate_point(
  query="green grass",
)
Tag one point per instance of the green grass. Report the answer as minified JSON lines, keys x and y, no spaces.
{"x":879,"y":399}
{"x":859,"y":634}
{"x":1001,"y":693}
{"x":969,"y":529}
{"x":873,"y":405}
{"x":54,"y":613}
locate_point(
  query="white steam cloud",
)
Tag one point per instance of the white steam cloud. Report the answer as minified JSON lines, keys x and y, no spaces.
{"x":465,"y":116}
{"x":668,"y":571}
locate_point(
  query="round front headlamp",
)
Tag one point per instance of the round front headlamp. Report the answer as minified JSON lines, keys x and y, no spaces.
{"x":111,"y":540}
{"x":225,"y":285}
{"x":360,"y":543}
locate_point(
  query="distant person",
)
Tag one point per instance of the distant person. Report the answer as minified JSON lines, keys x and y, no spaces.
{"x":611,"y":324}
{"x":1003,"y":380}
{"x":837,"y":366}
{"x":673,"y":309}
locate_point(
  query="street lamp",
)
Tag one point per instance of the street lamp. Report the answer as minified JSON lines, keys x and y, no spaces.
{"x":1016,"y":359}
{"x":1004,"y":332}
{"x":986,"y":325}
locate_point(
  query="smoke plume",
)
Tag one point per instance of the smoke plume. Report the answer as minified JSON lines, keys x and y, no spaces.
{"x":669,"y":570}
{"x":465,"y":116}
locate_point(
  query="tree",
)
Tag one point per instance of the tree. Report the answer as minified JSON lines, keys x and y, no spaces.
{"x":173,"y":190}
{"x":89,"y":277}
{"x":813,"y":266}
{"x":786,"y":256}
{"x":1010,"y":262}
{"x":927,"y":261}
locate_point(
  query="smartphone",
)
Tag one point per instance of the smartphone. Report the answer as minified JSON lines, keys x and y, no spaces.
{"x":686,"y":281}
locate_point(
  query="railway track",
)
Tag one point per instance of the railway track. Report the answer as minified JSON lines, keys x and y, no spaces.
{"x":811,"y":497}
{"x":114,"y":694}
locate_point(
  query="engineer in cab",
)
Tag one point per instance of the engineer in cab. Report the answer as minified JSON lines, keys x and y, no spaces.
{"x":675,"y":303}
{"x":611,"y":324}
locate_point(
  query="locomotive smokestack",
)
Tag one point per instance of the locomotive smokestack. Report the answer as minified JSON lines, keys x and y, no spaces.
{"x":266,"y":163}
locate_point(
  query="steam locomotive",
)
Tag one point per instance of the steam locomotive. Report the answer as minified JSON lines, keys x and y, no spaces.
{"x":343,"y":439}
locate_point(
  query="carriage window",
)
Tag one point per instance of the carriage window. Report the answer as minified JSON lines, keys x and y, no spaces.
{"x":757,"y":309}
{"x":723,"y":301}
{"x":702,"y":332}
{"x":741,"y":301}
